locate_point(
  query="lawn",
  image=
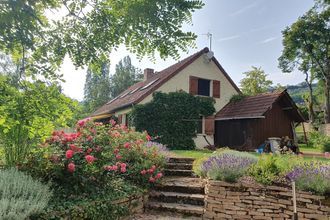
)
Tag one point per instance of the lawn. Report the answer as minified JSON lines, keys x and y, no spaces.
{"x":204,"y":153}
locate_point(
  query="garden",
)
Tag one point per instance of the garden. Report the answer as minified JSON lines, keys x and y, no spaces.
{"x":82,"y":175}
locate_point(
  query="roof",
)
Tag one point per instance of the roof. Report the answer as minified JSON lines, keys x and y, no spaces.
{"x":257,"y":106}
{"x":135,"y":94}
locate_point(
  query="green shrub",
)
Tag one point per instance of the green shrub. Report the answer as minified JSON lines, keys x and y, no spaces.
{"x":95,"y":205}
{"x":20,"y":195}
{"x":319,"y":141}
{"x":272,"y":167}
{"x":227,"y":166}
{"x":172,"y":117}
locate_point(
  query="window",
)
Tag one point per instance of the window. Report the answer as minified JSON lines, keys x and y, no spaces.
{"x":200,"y":125}
{"x":203,"y":87}
{"x":149,"y":84}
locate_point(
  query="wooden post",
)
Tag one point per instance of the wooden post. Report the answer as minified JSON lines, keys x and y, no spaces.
{"x":306,"y":140}
{"x":295,"y":215}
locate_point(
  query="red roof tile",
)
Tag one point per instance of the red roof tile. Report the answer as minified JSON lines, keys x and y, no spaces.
{"x":160,"y":77}
{"x":255,"y":107}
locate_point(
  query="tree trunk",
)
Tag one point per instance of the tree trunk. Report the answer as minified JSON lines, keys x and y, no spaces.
{"x":327,"y":100}
{"x":311,"y":113}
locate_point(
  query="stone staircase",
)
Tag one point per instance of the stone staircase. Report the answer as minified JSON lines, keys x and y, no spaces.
{"x":180,"y":191}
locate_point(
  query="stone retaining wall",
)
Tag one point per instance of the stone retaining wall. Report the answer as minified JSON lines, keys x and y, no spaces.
{"x":135,"y":204}
{"x":244,"y":201}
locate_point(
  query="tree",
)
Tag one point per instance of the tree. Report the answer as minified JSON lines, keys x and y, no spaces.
{"x":306,"y":47}
{"x":29,"y":115}
{"x":173,"y":117}
{"x":91,"y":30}
{"x":97,"y":88}
{"x":255,"y":82}
{"x":125,"y":76}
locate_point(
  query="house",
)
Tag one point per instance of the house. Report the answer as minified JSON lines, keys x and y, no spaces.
{"x":247,"y":123}
{"x":243,"y":124}
{"x":199,"y":74}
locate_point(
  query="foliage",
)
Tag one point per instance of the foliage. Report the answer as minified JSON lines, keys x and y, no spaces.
{"x":91,"y":30}
{"x":20,"y":195}
{"x":173,"y":117}
{"x":227,"y":165}
{"x":319,"y":141}
{"x":28,"y":115}
{"x":97,"y":88}
{"x":237,"y":98}
{"x":306,"y":47}
{"x":93,"y":205}
{"x":269,"y":168}
{"x":94,"y":154}
{"x":311,"y":176}
{"x":126,"y":75}
{"x":255,"y":82}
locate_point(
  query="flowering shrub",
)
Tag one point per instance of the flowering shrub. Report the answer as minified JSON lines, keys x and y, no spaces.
{"x":227,"y":166}
{"x":311,"y":176}
{"x":97,"y":152}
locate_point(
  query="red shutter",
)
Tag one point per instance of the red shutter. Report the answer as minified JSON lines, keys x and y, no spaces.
{"x":120,"y":119}
{"x":209,"y":125}
{"x":216,"y":89}
{"x":193,"y":85}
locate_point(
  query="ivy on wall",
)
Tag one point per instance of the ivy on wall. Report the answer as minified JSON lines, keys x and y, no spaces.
{"x":173,"y":117}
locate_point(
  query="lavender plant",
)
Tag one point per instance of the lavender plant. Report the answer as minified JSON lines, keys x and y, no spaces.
{"x":311,"y":176}
{"x":228,"y":166}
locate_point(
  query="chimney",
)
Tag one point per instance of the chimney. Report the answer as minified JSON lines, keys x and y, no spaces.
{"x":148,"y":73}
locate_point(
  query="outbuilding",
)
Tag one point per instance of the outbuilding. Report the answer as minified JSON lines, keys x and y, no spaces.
{"x":246,"y":123}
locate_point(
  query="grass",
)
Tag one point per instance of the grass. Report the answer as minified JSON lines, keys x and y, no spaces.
{"x":204,"y":153}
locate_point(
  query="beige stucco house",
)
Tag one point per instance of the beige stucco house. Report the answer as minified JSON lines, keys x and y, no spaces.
{"x":198,"y":74}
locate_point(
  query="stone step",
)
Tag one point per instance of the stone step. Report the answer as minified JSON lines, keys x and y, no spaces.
{"x":175,"y":197}
{"x":179,"y":166}
{"x":186,"y":160}
{"x":170,"y":172}
{"x":181,"y":184}
{"x":179,"y":208}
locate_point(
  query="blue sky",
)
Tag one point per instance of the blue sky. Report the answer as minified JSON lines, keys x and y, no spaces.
{"x":245,"y":33}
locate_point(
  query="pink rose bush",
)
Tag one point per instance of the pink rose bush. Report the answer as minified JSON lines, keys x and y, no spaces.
{"x":96,"y":152}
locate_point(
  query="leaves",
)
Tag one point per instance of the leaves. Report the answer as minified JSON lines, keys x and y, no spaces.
{"x":255,"y":82}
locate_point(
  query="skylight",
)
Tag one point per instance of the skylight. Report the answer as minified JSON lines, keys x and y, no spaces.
{"x":134,"y":90}
{"x":149,"y":84}
{"x":112,"y":100}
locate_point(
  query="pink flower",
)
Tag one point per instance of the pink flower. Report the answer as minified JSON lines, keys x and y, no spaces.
{"x":116,"y":151}
{"x":152,"y":180}
{"x":89,"y":158}
{"x":123,"y":169}
{"x":153,"y":167}
{"x":143,"y":172}
{"x":127,"y":145}
{"x":159,"y":175}
{"x":148,"y":137}
{"x":89,"y":150}
{"x":71,"y":167}
{"x":69,"y":154}
{"x":114,"y":167}
{"x":112,"y":122}
{"x":150,"y":171}
{"x":123,"y":165}
{"x":89,"y":138}
{"x":75,"y":148}
{"x":118,"y":157}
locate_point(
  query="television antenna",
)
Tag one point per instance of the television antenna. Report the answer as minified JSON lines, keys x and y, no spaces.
{"x":209,"y":37}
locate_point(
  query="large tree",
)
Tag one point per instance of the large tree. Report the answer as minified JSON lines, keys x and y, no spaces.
{"x":125,"y":75}
{"x":255,"y":82}
{"x":97,"y":88}
{"x":306,"y":47}
{"x":90,"y":30}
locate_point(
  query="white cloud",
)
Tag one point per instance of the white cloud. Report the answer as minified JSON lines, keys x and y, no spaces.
{"x":244,"y":9}
{"x":228,"y":38}
{"x":267,"y":40}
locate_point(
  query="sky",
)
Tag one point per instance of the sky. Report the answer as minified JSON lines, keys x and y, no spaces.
{"x":245,"y":33}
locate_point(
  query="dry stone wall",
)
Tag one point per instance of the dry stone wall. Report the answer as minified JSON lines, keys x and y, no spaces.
{"x":135,"y":204}
{"x":244,"y":201}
